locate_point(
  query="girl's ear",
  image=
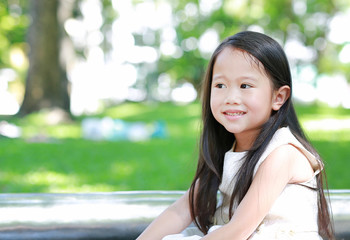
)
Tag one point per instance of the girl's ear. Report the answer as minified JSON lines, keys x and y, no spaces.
{"x":280,"y":97}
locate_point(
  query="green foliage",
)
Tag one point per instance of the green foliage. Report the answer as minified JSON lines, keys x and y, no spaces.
{"x":54,"y":158}
{"x":306,"y":21}
{"x":13,"y":25}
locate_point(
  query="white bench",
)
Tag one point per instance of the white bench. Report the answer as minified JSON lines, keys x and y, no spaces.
{"x":116,"y":215}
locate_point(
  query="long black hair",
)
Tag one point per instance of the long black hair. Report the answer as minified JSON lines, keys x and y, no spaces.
{"x":215,"y":140}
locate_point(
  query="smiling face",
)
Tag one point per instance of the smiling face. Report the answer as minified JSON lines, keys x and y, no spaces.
{"x":241,"y":94}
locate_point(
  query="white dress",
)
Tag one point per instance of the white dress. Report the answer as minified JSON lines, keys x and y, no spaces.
{"x":294,"y":213}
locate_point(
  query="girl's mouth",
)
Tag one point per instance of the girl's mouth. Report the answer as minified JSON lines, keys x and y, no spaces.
{"x":234,"y":113}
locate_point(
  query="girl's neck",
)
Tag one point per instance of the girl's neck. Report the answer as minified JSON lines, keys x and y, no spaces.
{"x":241,"y":148}
{"x":244,"y":142}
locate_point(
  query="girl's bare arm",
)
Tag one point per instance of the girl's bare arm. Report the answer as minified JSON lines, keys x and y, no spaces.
{"x":173,"y":220}
{"x":284,"y":165}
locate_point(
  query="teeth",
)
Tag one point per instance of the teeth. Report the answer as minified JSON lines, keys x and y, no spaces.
{"x":235,"y":114}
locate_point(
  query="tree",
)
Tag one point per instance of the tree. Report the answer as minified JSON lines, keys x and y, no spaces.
{"x":46,"y":81}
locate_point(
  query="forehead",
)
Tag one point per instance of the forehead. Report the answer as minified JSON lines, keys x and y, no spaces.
{"x":232,"y":57}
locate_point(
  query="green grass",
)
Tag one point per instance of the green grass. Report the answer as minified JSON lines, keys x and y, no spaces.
{"x":54,"y":158}
{"x":323,"y":126}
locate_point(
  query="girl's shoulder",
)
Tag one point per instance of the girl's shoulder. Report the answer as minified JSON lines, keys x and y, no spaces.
{"x":296,"y":164}
{"x":285,"y":147}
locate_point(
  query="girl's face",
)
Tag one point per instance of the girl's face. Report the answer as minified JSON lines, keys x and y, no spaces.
{"x":241,"y":93}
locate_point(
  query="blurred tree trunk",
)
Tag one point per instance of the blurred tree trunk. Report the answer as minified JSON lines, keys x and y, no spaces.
{"x":46,"y":81}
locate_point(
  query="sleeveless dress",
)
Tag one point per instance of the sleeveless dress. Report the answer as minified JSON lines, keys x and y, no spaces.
{"x":294,"y":213}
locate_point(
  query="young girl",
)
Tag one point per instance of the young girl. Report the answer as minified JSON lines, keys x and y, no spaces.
{"x":253,"y":151}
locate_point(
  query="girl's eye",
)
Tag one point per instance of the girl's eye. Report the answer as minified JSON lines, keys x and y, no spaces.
{"x":220,"y":85}
{"x":244,"y":86}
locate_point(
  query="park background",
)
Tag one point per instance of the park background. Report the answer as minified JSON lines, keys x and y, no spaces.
{"x":104,"y":95}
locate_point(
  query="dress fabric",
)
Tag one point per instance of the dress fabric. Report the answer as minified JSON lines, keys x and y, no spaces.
{"x":294,"y":213}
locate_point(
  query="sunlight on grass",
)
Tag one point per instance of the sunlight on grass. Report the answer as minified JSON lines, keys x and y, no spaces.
{"x":193,"y":110}
{"x":52,"y":181}
{"x":65,"y":131}
{"x":59,"y":131}
{"x":326,"y":124}
{"x":35,"y":119}
{"x":330,"y":136}
{"x":54,"y":157}
{"x":126,"y":110}
{"x":327,"y":129}
{"x":49,"y":124}
{"x":55,"y":182}
{"x":122,"y":169}
{"x":48,"y":178}
{"x":195,"y":125}
{"x":85,"y":188}
{"x":329,"y":132}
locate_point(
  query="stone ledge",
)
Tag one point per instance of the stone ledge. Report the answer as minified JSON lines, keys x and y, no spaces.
{"x":115,"y":215}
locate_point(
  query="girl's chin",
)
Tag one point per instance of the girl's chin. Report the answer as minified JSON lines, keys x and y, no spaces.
{"x":234,"y":130}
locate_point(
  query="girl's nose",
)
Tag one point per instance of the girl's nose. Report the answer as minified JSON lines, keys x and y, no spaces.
{"x":233,"y":97}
